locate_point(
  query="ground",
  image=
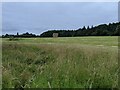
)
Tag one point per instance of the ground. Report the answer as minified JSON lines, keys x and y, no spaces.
{"x":63,"y":62}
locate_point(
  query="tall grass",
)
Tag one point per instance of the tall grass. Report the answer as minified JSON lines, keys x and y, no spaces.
{"x":59,"y":66}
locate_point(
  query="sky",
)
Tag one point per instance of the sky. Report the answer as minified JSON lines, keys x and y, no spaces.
{"x":38,"y":17}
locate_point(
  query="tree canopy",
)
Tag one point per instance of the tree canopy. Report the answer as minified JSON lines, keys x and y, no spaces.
{"x":111,"y":29}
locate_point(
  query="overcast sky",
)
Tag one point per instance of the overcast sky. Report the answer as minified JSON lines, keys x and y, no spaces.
{"x":38,"y":17}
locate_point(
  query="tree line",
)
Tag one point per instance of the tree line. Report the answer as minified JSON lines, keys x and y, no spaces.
{"x":112,"y":29}
{"x":24,"y":35}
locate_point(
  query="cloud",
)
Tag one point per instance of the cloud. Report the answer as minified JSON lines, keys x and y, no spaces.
{"x":38,"y":17}
{"x":60,"y":0}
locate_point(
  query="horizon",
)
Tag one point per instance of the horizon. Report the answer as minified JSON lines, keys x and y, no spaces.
{"x":57,"y":29}
{"x":39,"y":17}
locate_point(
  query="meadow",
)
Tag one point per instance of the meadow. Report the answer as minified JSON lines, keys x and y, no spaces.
{"x":63,"y":62}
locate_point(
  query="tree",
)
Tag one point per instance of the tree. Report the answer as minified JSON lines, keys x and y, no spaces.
{"x":117,"y":31}
{"x":88,"y":28}
{"x":84,"y":28}
{"x":17,"y":34}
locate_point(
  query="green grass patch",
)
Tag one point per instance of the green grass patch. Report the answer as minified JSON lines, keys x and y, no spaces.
{"x":60,"y":63}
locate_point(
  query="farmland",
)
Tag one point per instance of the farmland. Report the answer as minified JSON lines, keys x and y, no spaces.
{"x":63,"y":62}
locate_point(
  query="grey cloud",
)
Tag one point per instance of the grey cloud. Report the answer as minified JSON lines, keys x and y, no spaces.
{"x":39,"y":17}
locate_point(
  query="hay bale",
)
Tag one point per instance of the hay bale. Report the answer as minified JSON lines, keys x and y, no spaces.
{"x":55,"y":35}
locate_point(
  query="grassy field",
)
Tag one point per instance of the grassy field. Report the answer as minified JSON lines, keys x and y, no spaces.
{"x":74,"y":62}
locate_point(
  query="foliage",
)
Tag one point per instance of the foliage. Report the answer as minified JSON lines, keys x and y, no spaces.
{"x":100,"y":30}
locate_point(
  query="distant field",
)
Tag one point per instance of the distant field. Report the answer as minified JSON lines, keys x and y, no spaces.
{"x":105,"y":40}
{"x":64,"y":62}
